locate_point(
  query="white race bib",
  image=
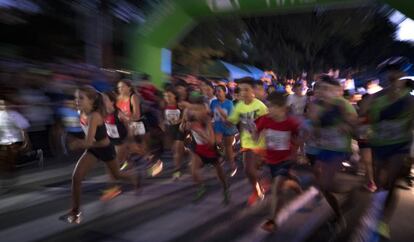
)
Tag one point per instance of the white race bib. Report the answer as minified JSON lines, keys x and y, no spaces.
{"x":172,"y":116}
{"x":277,"y":140}
{"x":137,"y":128}
{"x":112,"y":130}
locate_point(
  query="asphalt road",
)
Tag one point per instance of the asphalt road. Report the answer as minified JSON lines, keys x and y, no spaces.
{"x":164,"y":211}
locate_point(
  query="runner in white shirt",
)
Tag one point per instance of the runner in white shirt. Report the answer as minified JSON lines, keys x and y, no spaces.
{"x":297,"y":101}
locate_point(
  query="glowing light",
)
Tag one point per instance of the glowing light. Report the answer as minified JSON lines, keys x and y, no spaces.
{"x":405,"y":26}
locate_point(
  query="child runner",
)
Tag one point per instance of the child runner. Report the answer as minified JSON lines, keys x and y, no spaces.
{"x":281,"y":135}
{"x":221,"y":108}
{"x":117,"y":132}
{"x":391,"y":116}
{"x":334,"y":120}
{"x":245,"y":112}
{"x":181,"y":88}
{"x":96,"y":144}
{"x":196,"y":120}
{"x":128,"y":103}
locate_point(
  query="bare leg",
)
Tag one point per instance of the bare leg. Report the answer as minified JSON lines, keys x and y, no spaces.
{"x":219,"y":139}
{"x":277,"y":200}
{"x":135,"y":148}
{"x":121,"y":156}
{"x":84,"y":165}
{"x":121,"y":152}
{"x":251,"y":169}
{"x":220,"y":174}
{"x":178,"y":151}
{"x":196,"y":165}
{"x":366,"y":156}
{"x":326,"y":178}
{"x":219,"y":142}
{"x":251,"y":166}
{"x":228,"y":150}
{"x":387,"y":175}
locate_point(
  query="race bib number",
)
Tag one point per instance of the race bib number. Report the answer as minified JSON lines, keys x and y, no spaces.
{"x":112,"y":130}
{"x":277,"y":140}
{"x":390,"y":130}
{"x":333,"y":138}
{"x":137,"y":128}
{"x":172,"y":116}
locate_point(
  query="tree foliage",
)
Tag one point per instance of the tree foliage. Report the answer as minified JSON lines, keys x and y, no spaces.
{"x":210,"y":40}
{"x":313,"y":41}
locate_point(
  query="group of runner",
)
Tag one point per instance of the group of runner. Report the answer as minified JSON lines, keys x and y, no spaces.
{"x":275,"y":129}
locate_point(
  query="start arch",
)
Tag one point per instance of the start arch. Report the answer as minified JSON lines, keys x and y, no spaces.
{"x":173,"y":18}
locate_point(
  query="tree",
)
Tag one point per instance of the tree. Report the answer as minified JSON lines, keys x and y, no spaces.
{"x":309,"y":41}
{"x":347,"y":38}
{"x":219,"y":38}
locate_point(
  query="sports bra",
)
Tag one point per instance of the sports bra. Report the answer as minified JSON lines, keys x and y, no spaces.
{"x":100,"y":129}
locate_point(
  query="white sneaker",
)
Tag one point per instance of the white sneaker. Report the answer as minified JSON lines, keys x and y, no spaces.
{"x":233,"y":172}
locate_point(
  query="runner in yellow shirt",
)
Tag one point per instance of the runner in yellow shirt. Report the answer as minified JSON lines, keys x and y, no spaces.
{"x":244,"y":114}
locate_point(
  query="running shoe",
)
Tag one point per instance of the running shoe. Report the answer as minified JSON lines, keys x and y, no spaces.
{"x":257,"y":195}
{"x":370,"y":187}
{"x":254,"y":198}
{"x":156,"y":168}
{"x":200,"y":193}
{"x":269,"y":226}
{"x":110,"y":193}
{"x":124,"y":166}
{"x":383,"y":229}
{"x":72,"y":217}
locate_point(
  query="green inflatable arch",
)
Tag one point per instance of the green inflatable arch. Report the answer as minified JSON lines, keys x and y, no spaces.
{"x":174,"y":18}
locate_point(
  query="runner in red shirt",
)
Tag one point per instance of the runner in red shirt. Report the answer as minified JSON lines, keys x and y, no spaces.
{"x":281,"y":136}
